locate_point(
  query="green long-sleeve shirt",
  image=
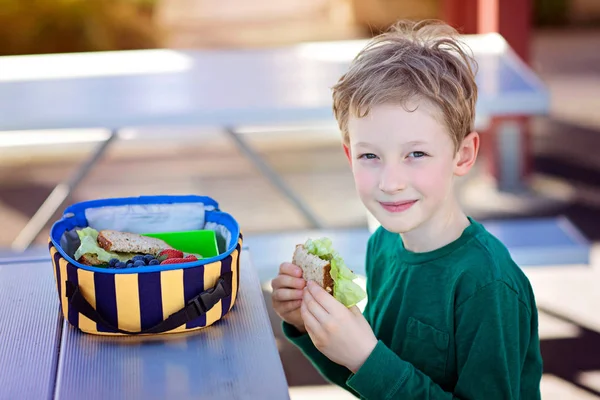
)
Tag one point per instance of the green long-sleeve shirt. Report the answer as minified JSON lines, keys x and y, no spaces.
{"x":459,"y":322}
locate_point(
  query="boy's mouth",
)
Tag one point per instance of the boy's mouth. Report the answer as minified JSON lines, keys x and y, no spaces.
{"x":397,"y":206}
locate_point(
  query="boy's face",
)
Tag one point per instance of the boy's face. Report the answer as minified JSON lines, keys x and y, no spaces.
{"x":404,"y":164}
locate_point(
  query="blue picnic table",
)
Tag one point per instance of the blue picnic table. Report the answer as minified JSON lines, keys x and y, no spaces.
{"x":42,"y":357}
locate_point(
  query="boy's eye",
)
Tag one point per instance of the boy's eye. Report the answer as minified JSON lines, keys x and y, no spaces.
{"x":368,"y":156}
{"x":417,"y":154}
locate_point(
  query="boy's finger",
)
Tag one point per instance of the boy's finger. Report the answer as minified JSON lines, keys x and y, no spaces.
{"x":287,"y":294}
{"x":314,"y":307}
{"x":311,"y":324}
{"x":326,"y":300}
{"x":287,"y":306}
{"x":290,"y":269}
{"x":356,"y":311}
{"x":287,"y":281}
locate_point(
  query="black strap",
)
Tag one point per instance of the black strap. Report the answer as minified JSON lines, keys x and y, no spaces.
{"x":195,"y":308}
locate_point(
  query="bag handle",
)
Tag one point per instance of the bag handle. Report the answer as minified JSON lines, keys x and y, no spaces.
{"x":194,"y":308}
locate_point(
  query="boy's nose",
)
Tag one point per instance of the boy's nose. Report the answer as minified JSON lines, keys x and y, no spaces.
{"x":392,"y":180}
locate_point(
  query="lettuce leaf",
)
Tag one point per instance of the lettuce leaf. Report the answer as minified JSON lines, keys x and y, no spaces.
{"x":348,"y":293}
{"x":344,"y":289}
{"x":89,"y":245}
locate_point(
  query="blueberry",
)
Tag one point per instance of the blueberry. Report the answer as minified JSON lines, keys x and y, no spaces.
{"x":130,"y":265}
{"x":136,"y":258}
{"x":120,"y":265}
{"x":148,"y":258}
{"x":139,"y":263}
{"x":154,"y":262}
{"x":113,"y":262}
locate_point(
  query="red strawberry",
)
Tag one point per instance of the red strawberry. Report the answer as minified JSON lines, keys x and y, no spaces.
{"x":173,"y":261}
{"x":169,"y":253}
{"x":179,"y":260}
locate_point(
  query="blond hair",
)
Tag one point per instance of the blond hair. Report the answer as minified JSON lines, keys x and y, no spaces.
{"x":422,"y":61}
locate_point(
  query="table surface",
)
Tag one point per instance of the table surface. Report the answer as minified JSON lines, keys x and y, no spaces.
{"x":43,"y":357}
{"x":30,"y":328}
{"x":232,"y":88}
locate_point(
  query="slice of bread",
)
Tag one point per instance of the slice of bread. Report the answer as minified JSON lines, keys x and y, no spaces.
{"x":126,"y":242}
{"x":313,"y":268}
{"x":90,"y":259}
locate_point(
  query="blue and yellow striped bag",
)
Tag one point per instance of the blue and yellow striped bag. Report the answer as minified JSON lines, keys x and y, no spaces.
{"x":153,"y":299}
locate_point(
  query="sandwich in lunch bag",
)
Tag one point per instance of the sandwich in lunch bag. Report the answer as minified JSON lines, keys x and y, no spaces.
{"x":126,"y":266}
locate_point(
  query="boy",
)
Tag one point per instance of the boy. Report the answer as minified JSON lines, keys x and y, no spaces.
{"x":449,"y":314}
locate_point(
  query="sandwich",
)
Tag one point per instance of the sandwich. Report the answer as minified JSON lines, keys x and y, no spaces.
{"x":99,"y":248}
{"x":322,"y":264}
{"x":126,"y":242}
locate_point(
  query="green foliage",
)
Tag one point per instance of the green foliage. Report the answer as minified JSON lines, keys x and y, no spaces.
{"x":550,"y":12}
{"x":62,"y":26}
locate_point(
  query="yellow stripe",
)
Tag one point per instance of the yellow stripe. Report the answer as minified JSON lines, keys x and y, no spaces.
{"x":88,"y":290}
{"x":128,"y":302}
{"x":173,"y":300}
{"x":212,"y":272}
{"x":63,"y":296}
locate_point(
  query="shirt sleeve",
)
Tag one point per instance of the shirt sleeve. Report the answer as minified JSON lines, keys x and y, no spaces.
{"x":333,"y":372}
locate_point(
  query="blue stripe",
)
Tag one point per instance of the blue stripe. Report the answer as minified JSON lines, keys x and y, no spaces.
{"x":57,"y":258}
{"x":239,"y":248}
{"x":193,"y":285}
{"x":72,"y":277}
{"x":106,"y":300}
{"x":150,"y":299}
{"x":226,"y":267}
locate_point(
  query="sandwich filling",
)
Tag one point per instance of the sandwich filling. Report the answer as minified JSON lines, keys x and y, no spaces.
{"x":90,"y":246}
{"x":345,"y":290}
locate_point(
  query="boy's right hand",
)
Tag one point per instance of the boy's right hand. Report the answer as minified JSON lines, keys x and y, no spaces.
{"x":287,"y":295}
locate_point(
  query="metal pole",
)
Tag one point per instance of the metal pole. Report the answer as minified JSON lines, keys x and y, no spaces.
{"x":274,"y":178}
{"x":56,"y":199}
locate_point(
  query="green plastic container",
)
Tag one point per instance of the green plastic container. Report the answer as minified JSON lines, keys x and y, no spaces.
{"x":202,"y":242}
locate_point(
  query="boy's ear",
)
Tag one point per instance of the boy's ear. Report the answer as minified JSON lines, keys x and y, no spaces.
{"x":347,"y":151}
{"x":467,"y":154}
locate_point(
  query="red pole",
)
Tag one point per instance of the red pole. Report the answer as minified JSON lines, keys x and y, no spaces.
{"x":461,"y":14}
{"x":510,"y":18}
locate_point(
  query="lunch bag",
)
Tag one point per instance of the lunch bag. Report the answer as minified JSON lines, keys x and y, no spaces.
{"x":151,"y":299}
